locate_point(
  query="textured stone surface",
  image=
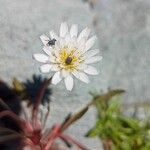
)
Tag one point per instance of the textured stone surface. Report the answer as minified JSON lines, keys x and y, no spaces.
{"x":123,"y":30}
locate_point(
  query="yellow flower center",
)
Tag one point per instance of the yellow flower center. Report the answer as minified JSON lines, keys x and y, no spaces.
{"x":70,"y":58}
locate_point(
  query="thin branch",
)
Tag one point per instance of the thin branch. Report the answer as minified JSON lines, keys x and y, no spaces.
{"x":53,"y":135}
{"x":39,"y":99}
{"x":74,"y":118}
{"x":26,"y":127}
{"x":10,"y":137}
{"x":46,"y":116}
{"x":68,"y":138}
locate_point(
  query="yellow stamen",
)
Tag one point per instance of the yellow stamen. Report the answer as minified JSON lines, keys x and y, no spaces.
{"x":68,"y":59}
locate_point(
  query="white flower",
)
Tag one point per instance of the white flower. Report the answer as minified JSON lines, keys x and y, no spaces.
{"x":68,"y":55}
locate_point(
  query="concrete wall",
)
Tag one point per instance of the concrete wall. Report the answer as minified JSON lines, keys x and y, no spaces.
{"x":123,"y":30}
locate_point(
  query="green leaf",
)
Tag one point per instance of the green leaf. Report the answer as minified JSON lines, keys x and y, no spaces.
{"x":125,"y":132}
{"x":106,"y":97}
{"x":74,"y":118}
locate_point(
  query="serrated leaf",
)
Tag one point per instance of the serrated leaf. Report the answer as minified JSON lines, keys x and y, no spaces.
{"x":106,"y":97}
{"x":92,"y":133}
{"x":129,"y":122}
{"x":74,"y":118}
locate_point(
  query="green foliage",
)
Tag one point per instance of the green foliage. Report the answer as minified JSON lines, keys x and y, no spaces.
{"x":124,"y":132}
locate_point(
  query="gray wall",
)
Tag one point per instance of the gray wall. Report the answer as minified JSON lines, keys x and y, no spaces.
{"x":123,"y":30}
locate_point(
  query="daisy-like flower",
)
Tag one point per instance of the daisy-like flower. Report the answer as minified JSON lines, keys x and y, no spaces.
{"x":68,"y":55}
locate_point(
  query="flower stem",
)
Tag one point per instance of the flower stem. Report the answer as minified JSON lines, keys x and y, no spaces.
{"x":55,"y":134}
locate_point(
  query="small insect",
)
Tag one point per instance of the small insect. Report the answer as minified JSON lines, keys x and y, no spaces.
{"x":51,"y":42}
{"x":68,"y":60}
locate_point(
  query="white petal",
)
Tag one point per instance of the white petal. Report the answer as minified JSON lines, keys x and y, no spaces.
{"x":47,"y":50}
{"x":64,"y":73}
{"x":69,"y":82}
{"x":91,"y":53}
{"x":74,"y":30}
{"x":57,"y":45}
{"x":45,"y":68}
{"x":63,"y":29}
{"x":52,"y":59}
{"x":81,"y":76}
{"x":61,"y":42}
{"x":55,"y":68}
{"x":56,"y":78}
{"x":40,"y":57}
{"x":90,"y":43}
{"x":56,"y":52}
{"x":84,"y":34}
{"x":44,"y":39}
{"x":82,"y":67}
{"x":81,"y":44}
{"x":91,"y":70}
{"x":74,"y":40}
{"x":72,"y":43}
{"x":93,"y":59}
{"x":53,"y":35}
{"x":67,"y":39}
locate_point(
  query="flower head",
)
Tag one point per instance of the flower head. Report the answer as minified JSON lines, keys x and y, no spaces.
{"x":68,"y":55}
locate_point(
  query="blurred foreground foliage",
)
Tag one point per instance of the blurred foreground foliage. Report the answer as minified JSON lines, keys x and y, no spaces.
{"x":29,"y":89}
{"x":117,"y":130}
{"x":26,"y":128}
